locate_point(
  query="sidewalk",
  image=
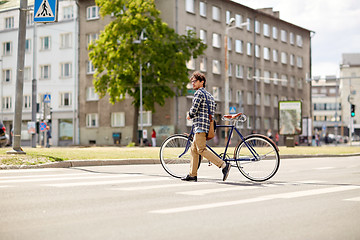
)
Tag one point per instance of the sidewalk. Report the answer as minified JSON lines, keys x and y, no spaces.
{"x":103,"y":162}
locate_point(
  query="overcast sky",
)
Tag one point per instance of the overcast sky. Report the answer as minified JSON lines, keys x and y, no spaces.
{"x":336,"y":24}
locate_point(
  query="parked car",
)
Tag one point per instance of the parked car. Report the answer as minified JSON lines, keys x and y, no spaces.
{"x":4,"y":138}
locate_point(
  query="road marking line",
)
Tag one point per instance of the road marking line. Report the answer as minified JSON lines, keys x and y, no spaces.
{"x":41,"y":176}
{"x":65,"y":178}
{"x":217,"y":190}
{"x":257,"y":199}
{"x":28,"y":170}
{"x":356,"y":199}
{"x":5,"y":186}
{"x":158,"y":186}
{"x":106,"y":182}
{"x":324,"y":168}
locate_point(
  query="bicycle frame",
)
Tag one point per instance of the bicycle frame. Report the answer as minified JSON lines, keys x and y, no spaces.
{"x":232,"y":127}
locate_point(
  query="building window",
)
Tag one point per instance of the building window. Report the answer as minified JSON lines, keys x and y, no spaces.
{"x":203,"y":62}
{"x":283,"y":57}
{"x":202,"y":7}
{"x":216,"y":68}
{"x":257,"y":51}
{"x":267,"y":100}
{"x":239,"y":97}
{"x":238,"y":20}
{"x":216,"y":93}
{"x":292,"y":41}
{"x":266,"y":53}
{"x":249,"y":73}
{"x":68,"y":12}
{"x":292,"y":59}
{"x":189,"y":29}
{"x":239,"y":71}
{"x":45,"y":43}
{"x":248,"y":26}
{"x":92,"y":120}
{"x":283,"y":35}
{"x":27,"y":102}
{"x":250,"y":122}
{"x":92,"y":13}
{"x":300,"y":83}
{"x":284,"y":80}
{"x":216,"y":40}
{"x":66,"y":69}
{"x":91,"y":95}
{"x":267,"y":123}
{"x":239,"y":46}
{"x":118,"y":119}
{"x":257,"y":27}
{"x":7,"y":75}
{"x":29,"y":18}
{"x":266,"y":76}
{"x":216,"y":13}
{"x":299,"y":41}
{"x":90,"y":68}
{"x":275,"y":55}
{"x":276,"y":101}
{"x":299,"y":62}
{"x":66,"y":129}
{"x":147,"y":118}
{"x":28,"y":45}
{"x":65,"y":100}
{"x":7,"y":103}
{"x":9,"y":23}
{"x":91,"y":38}
{"x":189,"y":6}
{"x":45,"y":71}
{"x":203,"y":35}
{"x":230,"y":69}
{"x":257,"y":74}
{"x":276,"y":76}
{"x":227,"y":17}
{"x":266,"y":30}
{"x":292,"y":81}
{"x":275,"y":33}
{"x":66,"y":40}
{"x":27,"y":74}
{"x":191,"y":64}
{"x":248,"y":48}
{"x":7,"y":48}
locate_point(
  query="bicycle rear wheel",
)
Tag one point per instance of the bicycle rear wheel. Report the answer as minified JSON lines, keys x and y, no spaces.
{"x":264,"y":164}
{"x":175,"y":155}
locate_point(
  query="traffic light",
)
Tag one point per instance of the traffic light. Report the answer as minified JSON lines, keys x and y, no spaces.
{"x":352,"y":110}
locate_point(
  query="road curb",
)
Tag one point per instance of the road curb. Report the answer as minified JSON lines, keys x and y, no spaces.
{"x":107,"y":162}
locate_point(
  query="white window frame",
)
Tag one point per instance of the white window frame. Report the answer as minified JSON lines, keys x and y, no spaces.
{"x":30,"y":18}
{"x":7,"y":103}
{"x":65,"y":99}
{"x":239,"y":45}
{"x":203,"y":36}
{"x":68,"y":12}
{"x":238,"y":21}
{"x":274,"y":32}
{"x":283,"y":35}
{"x":9,"y":23}
{"x":275,"y":55}
{"x":216,"y":66}
{"x":27,"y":102}
{"x":227,"y":16}
{"x":283,"y":57}
{"x":292,"y":59}
{"x":267,"y":76}
{"x":216,"y":93}
{"x":203,"y":64}
{"x":90,"y":69}
{"x":147,"y":119}
{"x":66,"y":70}
{"x":66,"y":40}
{"x":92,"y":13}
{"x":191,"y":63}
{"x":91,"y":37}
{"x":257,"y":51}
{"x":291,"y":38}
{"x":299,"y":41}
{"x":92,"y":120}
{"x":248,"y":26}
{"x":91,"y":95}
{"x":216,"y":40}
{"x":249,"y":98}
{"x":257,"y":27}
{"x":7,"y":48}
{"x":202,"y":8}
{"x":216,"y":15}
{"x":299,"y":62}
{"x":28,"y":45}
{"x":249,"y":49}
{"x":266,"y":53}
{"x":45,"y":43}
{"x":190,"y":6}
{"x":239,"y":71}
{"x":266,"y":30}
{"x":27,"y":74}
{"x":7,"y":75}
{"x":118,"y":119}
{"x":45,"y":72}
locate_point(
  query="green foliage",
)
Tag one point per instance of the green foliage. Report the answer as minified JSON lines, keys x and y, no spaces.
{"x":163,"y":54}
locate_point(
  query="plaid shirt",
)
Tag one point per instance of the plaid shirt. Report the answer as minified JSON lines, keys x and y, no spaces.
{"x":199,"y":110}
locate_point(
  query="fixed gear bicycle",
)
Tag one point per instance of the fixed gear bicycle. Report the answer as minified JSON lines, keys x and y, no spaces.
{"x":256,"y":156}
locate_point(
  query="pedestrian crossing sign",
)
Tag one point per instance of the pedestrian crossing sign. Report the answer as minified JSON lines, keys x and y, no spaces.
{"x":45,"y":10}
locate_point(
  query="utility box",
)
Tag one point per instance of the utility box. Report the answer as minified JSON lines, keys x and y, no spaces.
{"x":290,"y":141}
{"x":117,"y":138}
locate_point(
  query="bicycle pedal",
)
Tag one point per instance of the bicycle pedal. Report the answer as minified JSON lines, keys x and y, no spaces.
{"x":209,"y":164}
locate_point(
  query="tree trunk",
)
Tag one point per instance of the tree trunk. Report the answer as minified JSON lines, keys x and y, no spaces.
{"x":135,"y":137}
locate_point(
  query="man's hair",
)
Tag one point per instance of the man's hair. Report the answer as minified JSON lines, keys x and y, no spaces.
{"x":199,"y":76}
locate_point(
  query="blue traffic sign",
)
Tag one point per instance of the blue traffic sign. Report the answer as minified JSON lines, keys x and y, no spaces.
{"x":43,"y":126}
{"x":232,"y":110}
{"x":47,"y":98}
{"x":45,"y":10}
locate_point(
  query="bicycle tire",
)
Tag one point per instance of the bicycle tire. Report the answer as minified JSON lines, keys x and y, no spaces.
{"x":263,"y":168}
{"x":174,"y":157}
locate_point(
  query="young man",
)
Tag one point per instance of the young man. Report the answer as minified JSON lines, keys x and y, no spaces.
{"x":200,"y":117}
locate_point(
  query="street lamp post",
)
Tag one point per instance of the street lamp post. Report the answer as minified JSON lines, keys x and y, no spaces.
{"x":226,"y":95}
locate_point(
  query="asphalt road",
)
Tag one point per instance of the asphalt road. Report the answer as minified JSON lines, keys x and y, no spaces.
{"x":315,"y":198}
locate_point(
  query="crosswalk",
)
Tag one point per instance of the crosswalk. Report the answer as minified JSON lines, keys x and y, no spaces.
{"x":138,"y":182}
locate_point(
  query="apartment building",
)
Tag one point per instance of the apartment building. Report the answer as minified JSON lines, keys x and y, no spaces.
{"x":269,"y":61}
{"x":350,"y":91}
{"x":55,"y":56}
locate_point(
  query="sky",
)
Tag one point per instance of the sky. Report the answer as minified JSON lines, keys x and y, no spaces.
{"x":336,"y":24}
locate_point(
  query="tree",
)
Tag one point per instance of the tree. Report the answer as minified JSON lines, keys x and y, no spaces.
{"x":163,"y":54}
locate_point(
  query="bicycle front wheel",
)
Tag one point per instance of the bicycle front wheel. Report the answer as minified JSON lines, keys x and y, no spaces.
{"x":175,"y":155}
{"x":257,"y":158}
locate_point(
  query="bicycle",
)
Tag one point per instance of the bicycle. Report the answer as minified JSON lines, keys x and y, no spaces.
{"x":256,"y":156}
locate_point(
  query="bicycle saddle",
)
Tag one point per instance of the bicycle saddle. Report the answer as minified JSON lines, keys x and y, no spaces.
{"x":233,"y":116}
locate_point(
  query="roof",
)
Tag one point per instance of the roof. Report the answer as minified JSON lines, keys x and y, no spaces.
{"x":13,"y":4}
{"x":351,"y":59}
